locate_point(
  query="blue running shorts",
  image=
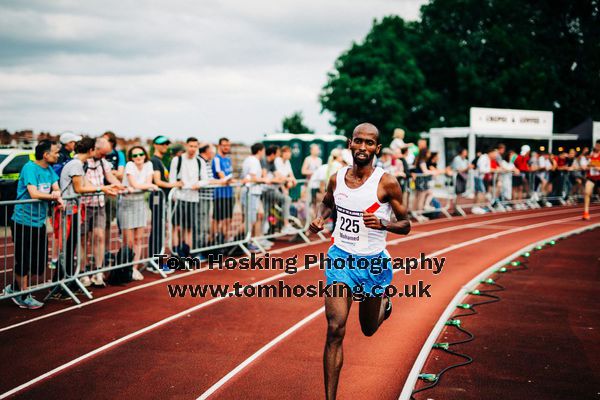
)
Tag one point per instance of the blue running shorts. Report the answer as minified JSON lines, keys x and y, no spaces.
{"x":361,"y":274}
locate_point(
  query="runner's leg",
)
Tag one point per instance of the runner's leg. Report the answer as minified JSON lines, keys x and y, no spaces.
{"x":371,"y":314}
{"x":336,"y":312}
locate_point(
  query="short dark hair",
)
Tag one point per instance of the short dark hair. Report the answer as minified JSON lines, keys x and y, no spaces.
{"x":111,"y":137}
{"x":191,"y":139}
{"x":223,"y":139}
{"x":130,"y":152}
{"x":203,"y":148}
{"x":43,"y":147}
{"x":256,"y":147}
{"x":272,"y":149}
{"x":84,"y":145}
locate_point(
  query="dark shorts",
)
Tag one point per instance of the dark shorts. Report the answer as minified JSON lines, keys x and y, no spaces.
{"x":31,"y":249}
{"x":488,"y":182}
{"x":95,"y":217}
{"x":517,"y":180}
{"x":185,"y":214}
{"x":596,"y":182}
{"x":422,"y":183}
{"x":223,"y":208}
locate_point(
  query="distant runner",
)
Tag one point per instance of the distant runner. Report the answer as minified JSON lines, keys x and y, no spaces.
{"x":592,"y":182}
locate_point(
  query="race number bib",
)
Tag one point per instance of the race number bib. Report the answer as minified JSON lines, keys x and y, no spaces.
{"x":351,"y":229}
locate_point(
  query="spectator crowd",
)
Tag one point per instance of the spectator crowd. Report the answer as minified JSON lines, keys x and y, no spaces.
{"x":97,"y":196}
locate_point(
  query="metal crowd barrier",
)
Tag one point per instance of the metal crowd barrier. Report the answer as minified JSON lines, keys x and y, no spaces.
{"x":33,"y":248}
{"x":278,"y":220}
{"x":208,"y":219}
{"x":424,"y":188}
{"x":237,"y":215}
{"x":90,"y":235}
{"x":121,"y":232}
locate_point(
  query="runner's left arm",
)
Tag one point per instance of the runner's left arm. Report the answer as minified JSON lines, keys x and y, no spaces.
{"x":393,"y":194}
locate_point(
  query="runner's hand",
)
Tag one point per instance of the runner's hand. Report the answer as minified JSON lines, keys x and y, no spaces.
{"x":371,"y":221}
{"x":317,"y":225}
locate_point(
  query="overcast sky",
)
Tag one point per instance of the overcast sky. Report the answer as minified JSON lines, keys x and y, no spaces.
{"x":181,"y":68}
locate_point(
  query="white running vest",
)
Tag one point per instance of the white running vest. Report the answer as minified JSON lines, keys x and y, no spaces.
{"x":350,"y":233}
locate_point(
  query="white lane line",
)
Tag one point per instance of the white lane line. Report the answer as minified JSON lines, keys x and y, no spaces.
{"x":413,"y":375}
{"x":136,"y":288}
{"x":218,"y":299}
{"x":186,"y":274}
{"x":262,"y":350}
{"x":295,"y":327}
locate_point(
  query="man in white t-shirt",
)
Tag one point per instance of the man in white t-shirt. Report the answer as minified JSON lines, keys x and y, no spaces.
{"x":204,"y":228}
{"x":186,"y":168}
{"x":252,"y":176}
{"x":483,"y":178}
{"x":283,"y":170}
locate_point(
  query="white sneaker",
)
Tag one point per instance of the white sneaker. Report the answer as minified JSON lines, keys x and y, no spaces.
{"x":85,"y":281}
{"x":548,"y":204}
{"x":288,"y":230}
{"x":98,"y":279}
{"x":137,"y":275}
{"x":267,"y":244}
{"x":477,"y":210}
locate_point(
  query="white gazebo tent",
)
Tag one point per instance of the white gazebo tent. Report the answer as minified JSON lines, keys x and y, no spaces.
{"x":498,"y":124}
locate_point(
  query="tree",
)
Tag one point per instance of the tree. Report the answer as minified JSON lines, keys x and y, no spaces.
{"x":295,"y":124}
{"x":377,"y":81}
{"x":470,"y":53}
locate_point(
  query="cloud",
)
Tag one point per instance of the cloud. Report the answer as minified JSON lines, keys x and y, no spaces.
{"x":139,"y":68}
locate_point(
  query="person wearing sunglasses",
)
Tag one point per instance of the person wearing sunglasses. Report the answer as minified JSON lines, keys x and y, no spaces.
{"x":133,"y":211}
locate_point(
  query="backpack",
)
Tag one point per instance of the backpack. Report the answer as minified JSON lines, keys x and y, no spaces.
{"x":122,"y":275}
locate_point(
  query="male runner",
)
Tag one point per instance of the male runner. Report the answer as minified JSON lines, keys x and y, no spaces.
{"x":593,"y":179}
{"x":364,"y":198}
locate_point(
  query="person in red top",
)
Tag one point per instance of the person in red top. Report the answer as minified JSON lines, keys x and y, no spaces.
{"x":522,"y":164}
{"x":593,"y":179}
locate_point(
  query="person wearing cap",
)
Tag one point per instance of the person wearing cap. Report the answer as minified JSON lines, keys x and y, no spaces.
{"x":519,"y":180}
{"x":157,"y":206}
{"x":67,"y":140}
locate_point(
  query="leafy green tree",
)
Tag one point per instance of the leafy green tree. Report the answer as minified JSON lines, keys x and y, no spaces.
{"x":378,"y":81}
{"x":295,"y":124}
{"x":470,"y":53}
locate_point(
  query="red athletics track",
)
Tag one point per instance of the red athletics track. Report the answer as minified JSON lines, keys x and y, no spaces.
{"x":183,"y":357}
